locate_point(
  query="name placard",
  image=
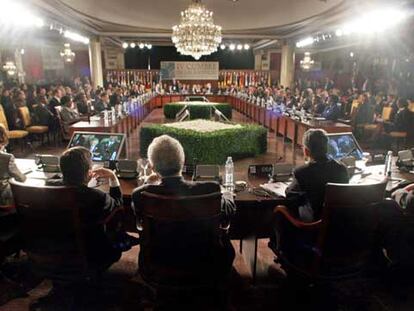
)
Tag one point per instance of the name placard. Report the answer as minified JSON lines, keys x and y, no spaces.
{"x":190,"y":70}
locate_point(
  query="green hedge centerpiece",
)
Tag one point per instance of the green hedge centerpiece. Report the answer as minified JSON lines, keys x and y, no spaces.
{"x":198,"y":110}
{"x":209,"y":142}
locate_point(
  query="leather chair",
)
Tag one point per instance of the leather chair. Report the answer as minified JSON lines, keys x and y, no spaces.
{"x":339,"y":245}
{"x":53,"y":234}
{"x":181,"y":241}
{"x":40,"y":130}
{"x":13,"y":135}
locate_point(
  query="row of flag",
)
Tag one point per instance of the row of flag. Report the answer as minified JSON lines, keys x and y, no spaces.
{"x":128,"y":77}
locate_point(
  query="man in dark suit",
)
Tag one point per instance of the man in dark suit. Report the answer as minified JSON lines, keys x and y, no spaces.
{"x":333,"y":110}
{"x":55,"y":101}
{"x":166,"y":156}
{"x":103,"y":103}
{"x":96,"y":205}
{"x":307,"y":191}
{"x":403,"y":119}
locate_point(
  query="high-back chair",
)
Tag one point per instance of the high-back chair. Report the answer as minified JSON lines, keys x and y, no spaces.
{"x":40,"y":130}
{"x":14,"y":134}
{"x":52,"y":232}
{"x":339,"y":245}
{"x":180,"y":240}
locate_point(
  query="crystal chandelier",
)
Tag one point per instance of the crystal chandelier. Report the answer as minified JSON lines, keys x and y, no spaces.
{"x":307,"y":62}
{"x":67,"y":54}
{"x":197,"y":35}
{"x":10,"y":68}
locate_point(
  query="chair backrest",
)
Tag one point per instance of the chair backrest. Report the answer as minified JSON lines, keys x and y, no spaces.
{"x":354,"y":107}
{"x":51,"y":229}
{"x":179,"y":235}
{"x":3,"y":119}
{"x":349,"y":223}
{"x":386,"y":113}
{"x":25,"y":115}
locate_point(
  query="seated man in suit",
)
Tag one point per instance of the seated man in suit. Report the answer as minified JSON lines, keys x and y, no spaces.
{"x":55,"y":101}
{"x":103,"y":247}
{"x":333,"y":110}
{"x":402,"y":120}
{"x":307,"y":190}
{"x":68,"y":114}
{"x":102,"y":103}
{"x":166,"y":156}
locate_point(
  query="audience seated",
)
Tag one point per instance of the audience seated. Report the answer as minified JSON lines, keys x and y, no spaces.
{"x":166,"y":156}
{"x":307,"y":189}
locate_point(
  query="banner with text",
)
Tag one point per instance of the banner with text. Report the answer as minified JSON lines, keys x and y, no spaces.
{"x":189,"y":70}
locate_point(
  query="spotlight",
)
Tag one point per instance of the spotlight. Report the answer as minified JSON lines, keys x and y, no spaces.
{"x":149,"y":46}
{"x":305,"y":42}
{"x":141,"y":45}
{"x":223,"y":47}
{"x":125,"y":45}
{"x":232,"y":47}
{"x":339,"y":32}
{"x":246,"y":46}
{"x":22,"y":51}
{"x":239,"y":47}
{"x":75,"y":36}
{"x":351,"y":54}
{"x":132,"y":45}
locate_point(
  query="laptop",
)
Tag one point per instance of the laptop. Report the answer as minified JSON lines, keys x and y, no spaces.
{"x":343,"y":145}
{"x":104,"y":147}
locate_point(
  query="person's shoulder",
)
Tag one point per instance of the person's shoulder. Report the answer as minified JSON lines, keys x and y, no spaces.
{"x":302,"y":169}
{"x":140,"y":189}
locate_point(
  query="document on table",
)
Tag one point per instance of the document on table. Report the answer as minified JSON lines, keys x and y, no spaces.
{"x":276,"y":188}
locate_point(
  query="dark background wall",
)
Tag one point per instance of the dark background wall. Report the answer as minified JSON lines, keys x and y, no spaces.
{"x":138,"y":59}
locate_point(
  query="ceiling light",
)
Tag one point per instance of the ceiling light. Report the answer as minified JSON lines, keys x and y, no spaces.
{"x":10,"y":68}
{"x":305,"y":42}
{"x":149,"y":46}
{"x":141,"y":46}
{"x":67,"y":54}
{"x":339,"y":32}
{"x":307,"y":62}
{"x":125,"y":45}
{"x":132,"y":45}
{"x":232,"y":47}
{"x":246,"y":46}
{"x":196,"y":35}
{"x":223,"y":47}
{"x":75,"y":37}
{"x":239,"y":47}
{"x":17,"y":15}
{"x":351,"y":54}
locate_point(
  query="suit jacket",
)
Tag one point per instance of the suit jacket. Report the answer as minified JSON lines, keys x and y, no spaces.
{"x":8,"y":169}
{"x":223,"y":252}
{"x":332,"y":112}
{"x":52,"y":104}
{"x":309,"y":183}
{"x":403,"y":120}
{"x":99,"y":106}
{"x":95,"y":206}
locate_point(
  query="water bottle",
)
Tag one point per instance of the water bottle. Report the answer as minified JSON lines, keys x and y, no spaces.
{"x":228,"y":182}
{"x":388,"y":164}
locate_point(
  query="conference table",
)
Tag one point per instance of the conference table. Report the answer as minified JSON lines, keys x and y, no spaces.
{"x":254,"y":216}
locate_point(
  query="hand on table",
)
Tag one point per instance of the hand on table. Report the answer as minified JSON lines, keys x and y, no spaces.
{"x":103,"y":173}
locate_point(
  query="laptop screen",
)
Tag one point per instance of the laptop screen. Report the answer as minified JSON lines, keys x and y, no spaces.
{"x":103,"y":146}
{"x":342,"y":145}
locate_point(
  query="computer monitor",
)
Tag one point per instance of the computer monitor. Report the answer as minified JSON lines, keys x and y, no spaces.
{"x":342,"y":145}
{"x":103,"y":146}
